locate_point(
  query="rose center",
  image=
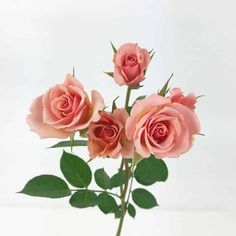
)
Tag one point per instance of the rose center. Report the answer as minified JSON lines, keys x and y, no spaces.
{"x":130,"y":60}
{"x":159,"y":132}
{"x":64,"y":105}
{"x":106,"y":133}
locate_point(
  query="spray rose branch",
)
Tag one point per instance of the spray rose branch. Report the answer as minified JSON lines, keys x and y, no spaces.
{"x":124,"y":162}
{"x":156,"y":126}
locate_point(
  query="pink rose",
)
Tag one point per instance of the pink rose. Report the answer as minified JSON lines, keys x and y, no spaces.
{"x":130,"y":61}
{"x":106,"y":137}
{"x":176,"y":95}
{"x":160,"y":127}
{"x":64,"y":109}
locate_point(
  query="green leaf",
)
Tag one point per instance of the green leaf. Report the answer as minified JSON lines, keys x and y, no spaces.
{"x":131,"y":210}
{"x":70,"y":143}
{"x":111,"y":74}
{"x":102,"y":179}
{"x":113,"y":48}
{"x":76,"y":170}
{"x":151,"y":170}
{"x":164,"y":90}
{"x":118,"y":179}
{"x":49,"y":186}
{"x":83,"y":199}
{"x":114,"y":104}
{"x":117,"y":213}
{"x":107,"y":203}
{"x":144,"y":198}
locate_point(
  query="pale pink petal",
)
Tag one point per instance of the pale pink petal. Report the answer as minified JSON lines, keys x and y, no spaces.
{"x":190,"y":118}
{"x":131,"y":72}
{"x":145,"y":59}
{"x":121,"y":115}
{"x":119,"y":79}
{"x":35,"y":121}
{"x":71,"y":80}
{"x":142,"y":106}
{"x":141,"y":148}
{"x":97,"y":105}
{"x":124,"y":50}
{"x":130,"y":127}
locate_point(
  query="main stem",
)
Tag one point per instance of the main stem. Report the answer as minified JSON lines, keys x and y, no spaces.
{"x":127,"y":176}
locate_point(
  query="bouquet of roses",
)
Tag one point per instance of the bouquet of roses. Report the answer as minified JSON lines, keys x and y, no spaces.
{"x":141,"y":134}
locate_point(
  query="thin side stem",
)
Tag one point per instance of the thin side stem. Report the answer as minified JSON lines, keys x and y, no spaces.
{"x":128,"y":92}
{"x":98,"y":191}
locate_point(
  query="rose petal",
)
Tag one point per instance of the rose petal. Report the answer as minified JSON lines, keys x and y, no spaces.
{"x":35,"y":121}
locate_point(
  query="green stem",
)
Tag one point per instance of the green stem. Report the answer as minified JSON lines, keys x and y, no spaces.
{"x":124,"y":162}
{"x":120,"y":169}
{"x":72,"y":136}
{"x":128,"y":92}
{"x":130,"y":188}
{"x":123,"y":203}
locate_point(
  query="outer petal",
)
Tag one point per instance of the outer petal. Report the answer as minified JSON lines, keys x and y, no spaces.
{"x":121,"y":115}
{"x":118,"y":76}
{"x":97,"y":105}
{"x":177,"y":96}
{"x":190,"y":118}
{"x":142,"y":106}
{"x":128,"y":146}
{"x":71,"y":80}
{"x":35,"y":121}
{"x":145,"y":59}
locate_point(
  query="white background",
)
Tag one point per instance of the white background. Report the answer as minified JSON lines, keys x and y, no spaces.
{"x":40,"y":42}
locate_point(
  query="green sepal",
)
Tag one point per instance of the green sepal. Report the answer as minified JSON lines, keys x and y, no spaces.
{"x":111,"y":74}
{"x":114,"y":104}
{"x":165,"y":88}
{"x":113,"y":47}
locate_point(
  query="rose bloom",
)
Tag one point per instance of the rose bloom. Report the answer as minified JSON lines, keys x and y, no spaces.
{"x":64,"y":109}
{"x":176,"y":95}
{"x":106,"y":137}
{"x":161,"y":127}
{"x":131,"y":62}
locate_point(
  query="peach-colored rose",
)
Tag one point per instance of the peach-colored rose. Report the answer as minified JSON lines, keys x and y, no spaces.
{"x":160,"y":127}
{"x":176,"y":95}
{"x":106,"y":137}
{"x":64,"y":109}
{"x":130,"y":61}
